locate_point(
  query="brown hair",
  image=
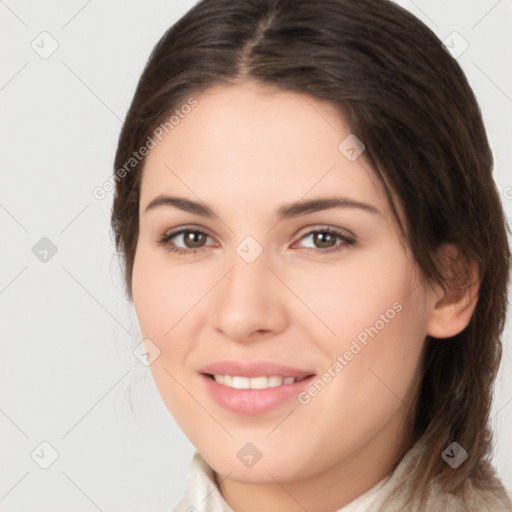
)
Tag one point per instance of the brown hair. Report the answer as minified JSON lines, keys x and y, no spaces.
{"x":410,"y":103}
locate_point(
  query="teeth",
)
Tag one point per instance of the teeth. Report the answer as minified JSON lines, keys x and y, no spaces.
{"x":256,"y":383}
{"x":238,"y":382}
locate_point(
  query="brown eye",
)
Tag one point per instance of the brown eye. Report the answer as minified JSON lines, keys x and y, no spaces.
{"x":184,"y":241}
{"x":194,"y":239}
{"x":324,"y":239}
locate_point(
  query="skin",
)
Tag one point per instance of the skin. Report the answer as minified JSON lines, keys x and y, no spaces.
{"x":244,"y":150}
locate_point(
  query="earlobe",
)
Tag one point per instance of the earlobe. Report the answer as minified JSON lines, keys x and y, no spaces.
{"x":453,"y":307}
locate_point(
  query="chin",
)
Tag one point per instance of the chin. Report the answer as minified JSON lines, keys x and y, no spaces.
{"x":266,"y":470}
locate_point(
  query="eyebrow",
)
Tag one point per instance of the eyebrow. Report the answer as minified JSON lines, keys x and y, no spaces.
{"x":285,"y":211}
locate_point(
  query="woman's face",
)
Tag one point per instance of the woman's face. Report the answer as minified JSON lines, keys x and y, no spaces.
{"x":327,"y":291}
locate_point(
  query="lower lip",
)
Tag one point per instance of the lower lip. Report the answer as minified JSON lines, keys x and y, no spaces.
{"x":253,"y":401}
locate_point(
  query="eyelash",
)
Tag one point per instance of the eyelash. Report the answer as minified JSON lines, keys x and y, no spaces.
{"x":165,"y":241}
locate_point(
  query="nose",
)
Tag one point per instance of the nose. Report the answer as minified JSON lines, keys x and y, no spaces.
{"x":250,"y":301}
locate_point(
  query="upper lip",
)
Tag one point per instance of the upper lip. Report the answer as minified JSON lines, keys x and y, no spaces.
{"x":253,"y":369}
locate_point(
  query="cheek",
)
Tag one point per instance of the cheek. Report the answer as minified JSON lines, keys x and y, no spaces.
{"x":376,"y":316}
{"x":164,"y":297}
{"x":164,"y":293}
{"x":353,"y":294}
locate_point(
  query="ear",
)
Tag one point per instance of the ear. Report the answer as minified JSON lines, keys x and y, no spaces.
{"x":453,"y":307}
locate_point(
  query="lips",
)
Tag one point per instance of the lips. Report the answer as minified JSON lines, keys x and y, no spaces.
{"x":284,"y":384}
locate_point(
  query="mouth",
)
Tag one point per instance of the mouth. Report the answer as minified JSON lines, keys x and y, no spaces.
{"x":253,"y":388}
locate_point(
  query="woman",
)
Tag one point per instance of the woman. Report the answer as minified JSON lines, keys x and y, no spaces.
{"x":317,"y":256}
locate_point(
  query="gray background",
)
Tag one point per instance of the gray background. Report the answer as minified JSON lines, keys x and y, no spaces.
{"x":67,"y":367}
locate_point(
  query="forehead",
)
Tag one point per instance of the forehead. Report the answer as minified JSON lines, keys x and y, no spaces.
{"x":255,"y":144}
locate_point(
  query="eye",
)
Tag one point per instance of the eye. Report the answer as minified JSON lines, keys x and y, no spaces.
{"x":324,"y":240}
{"x":192,"y":239}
